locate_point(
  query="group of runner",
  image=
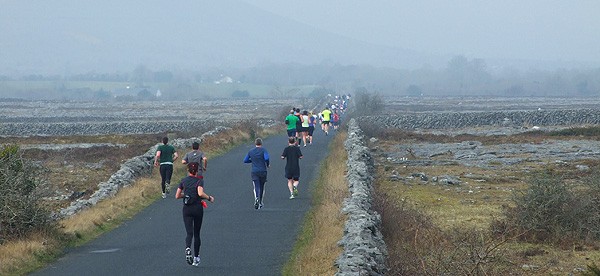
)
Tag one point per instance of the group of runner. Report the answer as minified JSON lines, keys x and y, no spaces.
{"x":300,"y":127}
{"x":190,"y":189}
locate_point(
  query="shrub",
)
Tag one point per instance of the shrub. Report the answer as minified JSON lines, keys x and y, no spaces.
{"x":240,"y":94}
{"x":367,"y":104}
{"x":20,"y":209}
{"x":552,"y":211}
{"x":417,"y":247}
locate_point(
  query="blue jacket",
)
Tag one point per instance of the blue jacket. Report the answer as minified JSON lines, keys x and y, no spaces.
{"x":259,"y":157}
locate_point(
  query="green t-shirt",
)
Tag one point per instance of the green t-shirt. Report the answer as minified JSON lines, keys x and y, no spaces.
{"x":166,"y":153}
{"x":291,"y":119}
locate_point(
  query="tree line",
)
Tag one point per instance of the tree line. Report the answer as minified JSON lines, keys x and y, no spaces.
{"x":460,"y":77}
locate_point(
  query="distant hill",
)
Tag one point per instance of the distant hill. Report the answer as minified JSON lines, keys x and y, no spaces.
{"x":67,"y":37}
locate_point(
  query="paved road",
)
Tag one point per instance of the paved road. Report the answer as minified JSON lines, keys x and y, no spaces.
{"x":236,"y":238}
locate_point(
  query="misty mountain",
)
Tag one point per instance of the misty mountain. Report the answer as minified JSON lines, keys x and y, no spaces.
{"x":67,"y":37}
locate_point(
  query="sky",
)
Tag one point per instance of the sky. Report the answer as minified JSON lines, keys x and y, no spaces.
{"x":74,"y":36}
{"x":552,"y":30}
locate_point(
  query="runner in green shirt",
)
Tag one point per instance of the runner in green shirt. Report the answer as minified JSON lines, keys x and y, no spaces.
{"x":165,"y":155}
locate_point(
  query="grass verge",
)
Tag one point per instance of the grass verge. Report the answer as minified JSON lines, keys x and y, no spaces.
{"x":316,"y":248}
{"x":21,"y":257}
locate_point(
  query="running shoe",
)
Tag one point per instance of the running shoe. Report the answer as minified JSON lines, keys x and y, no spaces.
{"x":188,"y":256}
{"x":292,"y":196}
{"x":256,"y":203}
{"x":295,"y":193}
{"x":164,"y":195}
{"x":168,"y":188}
{"x":260,"y":205}
{"x":196,"y":261}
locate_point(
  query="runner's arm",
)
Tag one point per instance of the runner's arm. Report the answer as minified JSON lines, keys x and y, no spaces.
{"x":156,"y":158}
{"x":266,"y":155}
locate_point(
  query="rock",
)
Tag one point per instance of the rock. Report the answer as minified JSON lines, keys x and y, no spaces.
{"x":446,"y":179}
{"x":421,"y":176}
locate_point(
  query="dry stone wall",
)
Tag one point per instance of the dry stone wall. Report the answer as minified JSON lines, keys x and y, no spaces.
{"x":364,"y":250}
{"x":130,"y":170}
{"x":114,"y":127}
{"x":523,"y":118}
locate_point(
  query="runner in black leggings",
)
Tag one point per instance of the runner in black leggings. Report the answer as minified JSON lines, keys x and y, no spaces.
{"x":191,"y":189}
{"x":165,"y":155}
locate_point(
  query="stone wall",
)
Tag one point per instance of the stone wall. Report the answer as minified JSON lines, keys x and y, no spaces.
{"x":112,"y":127}
{"x":526,"y":118}
{"x":130,"y":170}
{"x":364,"y":249}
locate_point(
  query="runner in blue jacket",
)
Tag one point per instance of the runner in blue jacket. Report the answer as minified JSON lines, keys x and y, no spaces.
{"x":259,"y":157}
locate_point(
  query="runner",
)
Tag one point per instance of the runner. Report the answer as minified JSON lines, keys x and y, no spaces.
{"x":298,"y":126}
{"x":336,"y":120}
{"x":196,"y":156}
{"x":165,"y":155}
{"x":292,"y":154}
{"x":191,"y":189}
{"x":291,"y":120}
{"x":259,"y":157}
{"x":305,"y":124}
{"x":326,"y":113}
{"x":312,"y":120}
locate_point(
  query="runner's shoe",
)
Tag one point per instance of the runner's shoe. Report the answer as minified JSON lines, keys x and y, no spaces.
{"x":196,"y":261}
{"x":168,"y":188}
{"x":256,"y":203}
{"x":188,"y":256}
{"x":295,"y":193}
{"x":292,"y":196}
{"x":164,"y":195}
{"x":260,"y":205}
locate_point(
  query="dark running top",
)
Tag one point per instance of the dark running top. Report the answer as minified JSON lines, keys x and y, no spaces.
{"x":189,"y":186}
{"x":292,"y":155}
{"x":195,"y":156}
{"x":166,"y":154}
{"x":259,"y":157}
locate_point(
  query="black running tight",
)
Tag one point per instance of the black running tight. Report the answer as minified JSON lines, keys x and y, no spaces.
{"x":192,"y":218}
{"x":166,"y":171}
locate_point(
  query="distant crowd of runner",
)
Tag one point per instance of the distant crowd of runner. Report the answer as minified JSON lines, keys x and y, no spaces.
{"x":300,"y":129}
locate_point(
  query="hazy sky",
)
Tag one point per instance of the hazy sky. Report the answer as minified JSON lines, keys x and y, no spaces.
{"x":521,"y":29}
{"x":71,"y":36}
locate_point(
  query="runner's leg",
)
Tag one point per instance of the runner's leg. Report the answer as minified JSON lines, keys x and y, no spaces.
{"x":163,"y":176}
{"x":197,"y":226}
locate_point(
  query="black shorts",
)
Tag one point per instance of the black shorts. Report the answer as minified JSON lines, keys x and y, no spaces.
{"x":311,"y":130}
{"x":326,"y":122}
{"x":291,"y":132}
{"x":292,"y":175}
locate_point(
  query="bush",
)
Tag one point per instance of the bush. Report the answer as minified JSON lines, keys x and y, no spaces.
{"x":367,"y":104}
{"x":417,"y":247}
{"x":240,"y":94}
{"x":20,"y":208}
{"x":552,"y":211}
